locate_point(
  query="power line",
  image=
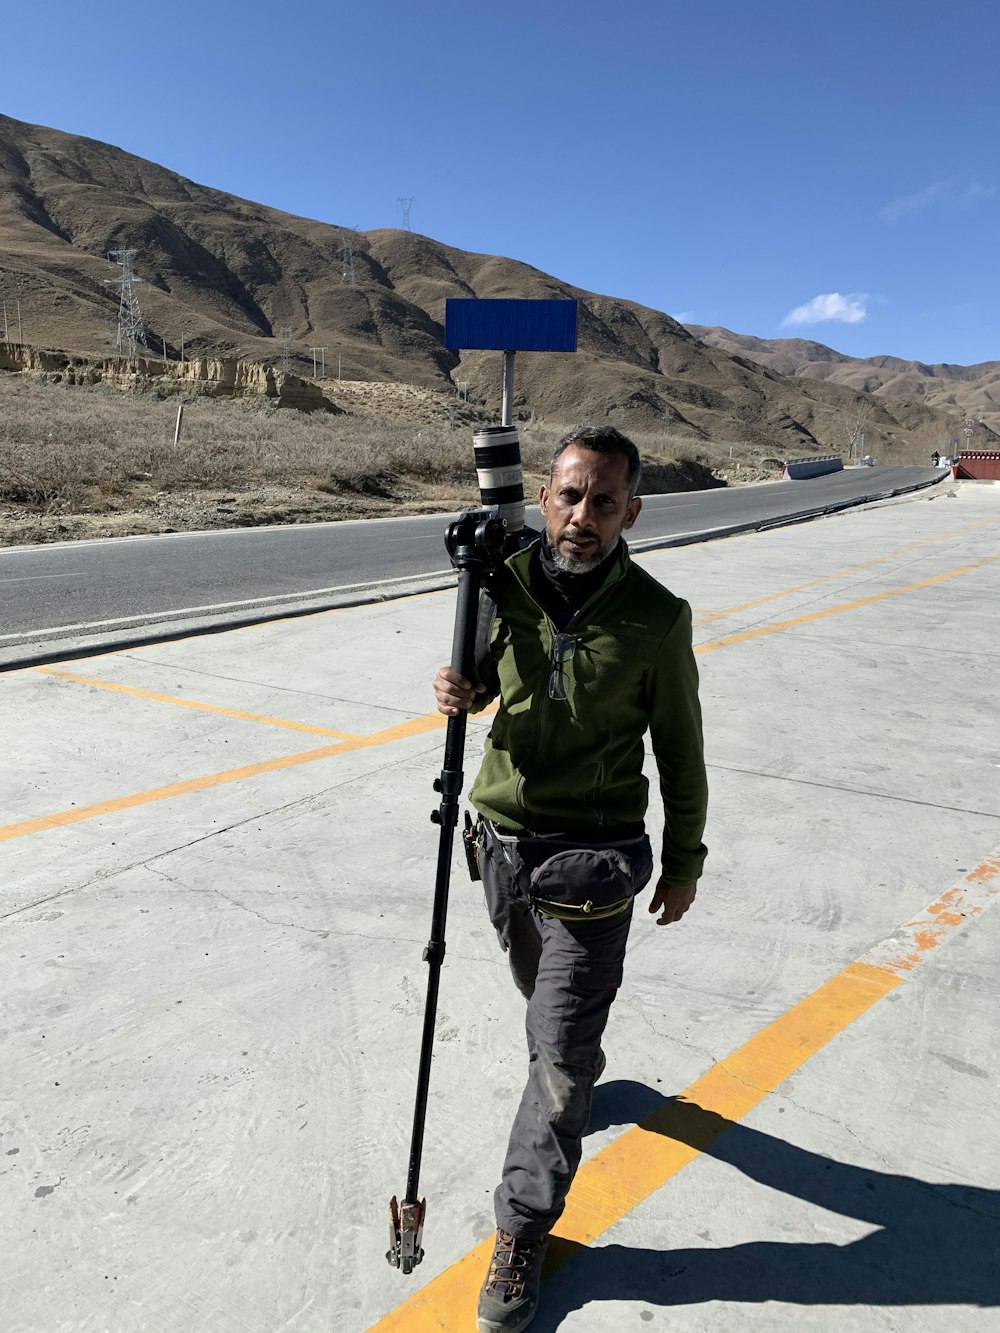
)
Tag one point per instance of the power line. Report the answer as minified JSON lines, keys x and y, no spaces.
{"x":406,"y":204}
{"x":285,"y":334}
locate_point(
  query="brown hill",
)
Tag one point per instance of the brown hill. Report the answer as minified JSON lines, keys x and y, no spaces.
{"x":226,"y":275}
{"x":956,"y":391}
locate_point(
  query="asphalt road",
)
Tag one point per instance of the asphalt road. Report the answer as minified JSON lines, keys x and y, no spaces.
{"x":132,"y":584}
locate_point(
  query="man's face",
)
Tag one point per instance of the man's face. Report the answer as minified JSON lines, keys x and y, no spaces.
{"x":587,"y":507}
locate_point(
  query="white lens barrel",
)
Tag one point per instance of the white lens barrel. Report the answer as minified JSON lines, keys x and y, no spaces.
{"x":501,"y":476}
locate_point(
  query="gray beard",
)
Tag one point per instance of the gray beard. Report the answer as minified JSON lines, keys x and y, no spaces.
{"x":583,"y":566}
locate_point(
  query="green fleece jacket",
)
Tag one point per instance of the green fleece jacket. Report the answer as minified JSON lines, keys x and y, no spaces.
{"x":574,"y":764}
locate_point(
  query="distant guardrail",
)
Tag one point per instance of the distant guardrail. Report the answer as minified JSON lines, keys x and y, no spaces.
{"x":796,"y":469}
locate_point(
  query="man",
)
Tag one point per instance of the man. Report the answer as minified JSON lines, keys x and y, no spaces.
{"x":591,"y":652}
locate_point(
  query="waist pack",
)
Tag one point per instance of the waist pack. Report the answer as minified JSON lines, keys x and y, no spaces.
{"x":572,"y":880}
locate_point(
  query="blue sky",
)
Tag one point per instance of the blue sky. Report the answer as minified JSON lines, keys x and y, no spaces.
{"x":824,"y":171}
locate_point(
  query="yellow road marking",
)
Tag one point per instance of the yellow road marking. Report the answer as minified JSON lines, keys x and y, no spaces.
{"x":761,"y":630}
{"x":641,"y":1160}
{"x":416,"y":726}
{"x":96,"y":683}
{"x":704,"y":619}
{"x":428,"y":722}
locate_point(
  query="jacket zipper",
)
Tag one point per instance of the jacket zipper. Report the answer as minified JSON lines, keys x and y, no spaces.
{"x":543,"y":720}
{"x":543,"y":714}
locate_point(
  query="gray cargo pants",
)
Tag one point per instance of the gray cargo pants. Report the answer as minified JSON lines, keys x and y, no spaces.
{"x":569,"y":972}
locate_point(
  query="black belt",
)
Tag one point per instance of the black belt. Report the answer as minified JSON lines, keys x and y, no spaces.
{"x":614,"y":833}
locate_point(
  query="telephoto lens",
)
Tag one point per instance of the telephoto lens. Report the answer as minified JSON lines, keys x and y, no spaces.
{"x":501,"y":476}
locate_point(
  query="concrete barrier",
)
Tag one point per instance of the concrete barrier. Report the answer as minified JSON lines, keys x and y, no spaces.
{"x":796,"y":469}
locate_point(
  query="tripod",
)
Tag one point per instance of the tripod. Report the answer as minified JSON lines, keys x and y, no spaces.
{"x":475,"y":544}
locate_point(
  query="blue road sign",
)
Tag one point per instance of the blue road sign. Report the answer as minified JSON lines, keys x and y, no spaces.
{"x":510,"y":325}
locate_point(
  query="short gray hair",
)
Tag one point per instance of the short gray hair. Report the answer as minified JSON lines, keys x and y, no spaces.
{"x":602,"y":440}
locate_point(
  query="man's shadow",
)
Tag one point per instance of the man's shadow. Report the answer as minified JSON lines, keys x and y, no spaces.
{"x":936,"y":1244}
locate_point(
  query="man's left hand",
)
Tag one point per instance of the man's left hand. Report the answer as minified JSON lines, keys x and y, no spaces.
{"x":672,"y":900}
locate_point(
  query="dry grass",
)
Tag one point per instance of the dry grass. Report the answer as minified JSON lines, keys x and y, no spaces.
{"x":67,"y":447}
{"x":93,"y":452}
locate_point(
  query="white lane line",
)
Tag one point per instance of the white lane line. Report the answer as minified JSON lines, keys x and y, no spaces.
{"x":32,"y":578}
{"x":52,"y":548}
{"x":171,"y":612}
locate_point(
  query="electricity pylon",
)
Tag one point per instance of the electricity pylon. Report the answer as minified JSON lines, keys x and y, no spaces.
{"x":347,"y":252}
{"x":130,"y":335}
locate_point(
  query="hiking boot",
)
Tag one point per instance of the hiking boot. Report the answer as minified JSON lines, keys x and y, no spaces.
{"x":600,"y":1064}
{"x":509,"y":1296}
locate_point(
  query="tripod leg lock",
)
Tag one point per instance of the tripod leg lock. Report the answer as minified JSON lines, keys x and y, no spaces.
{"x":406,"y":1230}
{"x":450,"y":782}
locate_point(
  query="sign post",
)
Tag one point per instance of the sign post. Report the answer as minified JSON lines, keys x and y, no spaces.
{"x":507,"y":404}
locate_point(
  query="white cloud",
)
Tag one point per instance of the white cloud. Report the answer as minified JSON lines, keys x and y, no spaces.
{"x":683,"y":316}
{"x":942,"y":193}
{"x":849,"y":309}
{"x":914,"y":203}
{"x":974,"y":194}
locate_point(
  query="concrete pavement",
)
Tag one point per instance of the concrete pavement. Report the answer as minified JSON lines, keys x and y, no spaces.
{"x":217,"y":870}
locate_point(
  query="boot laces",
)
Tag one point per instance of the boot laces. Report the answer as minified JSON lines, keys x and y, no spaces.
{"x":512,"y":1258}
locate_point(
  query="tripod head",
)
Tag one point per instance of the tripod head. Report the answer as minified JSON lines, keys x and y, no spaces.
{"x":475,"y":541}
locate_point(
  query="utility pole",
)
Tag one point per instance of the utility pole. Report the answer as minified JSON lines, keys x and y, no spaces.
{"x":130,"y":334}
{"x":20,"y":337}
{"x":406,"y":204}
{"x":322,"y":354}
{"x":5,"y":338}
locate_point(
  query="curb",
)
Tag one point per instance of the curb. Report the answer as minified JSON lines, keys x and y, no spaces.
{"x":783,"y":520}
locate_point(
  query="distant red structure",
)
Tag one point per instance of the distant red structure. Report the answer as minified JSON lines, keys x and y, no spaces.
{"x":977,"y":465}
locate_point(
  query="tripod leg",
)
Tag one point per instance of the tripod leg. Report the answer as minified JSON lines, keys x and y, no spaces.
{"x":406,"y":1220}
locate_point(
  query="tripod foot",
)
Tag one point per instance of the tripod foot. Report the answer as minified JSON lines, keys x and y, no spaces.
{"x":406,"y":1229}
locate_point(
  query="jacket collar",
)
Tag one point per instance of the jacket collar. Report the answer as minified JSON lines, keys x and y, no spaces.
{"x":521,"y":562}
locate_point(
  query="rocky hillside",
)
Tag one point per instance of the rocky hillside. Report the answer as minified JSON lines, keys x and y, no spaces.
{"x":956,"y":391}
{"x":224,"y":276}
{"x":202,"y":377}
